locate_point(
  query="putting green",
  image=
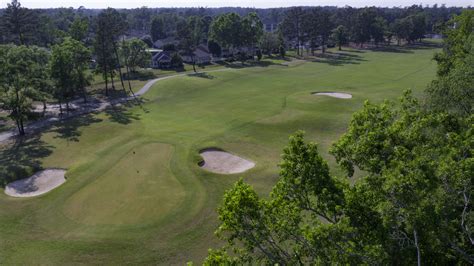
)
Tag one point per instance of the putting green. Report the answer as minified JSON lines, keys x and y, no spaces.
{"x":122,"y":194}
{"x":157,"y":206}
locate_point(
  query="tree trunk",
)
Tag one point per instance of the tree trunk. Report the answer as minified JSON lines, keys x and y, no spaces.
{"x":194,"y":63}
{"x":18,"y":125}
{"x":112,"y":80}
{"x":84,"y":94}
{"x":44,"y":107}
{"x":104,"y":63}
{"x":106,"y":81}
{"x":119,"y":68}
{"x":22,"y":128}
{"x":19,"y":114}
{"x":340,"y":47}
{"x":129,"y":84}
{"x":418,"y":251}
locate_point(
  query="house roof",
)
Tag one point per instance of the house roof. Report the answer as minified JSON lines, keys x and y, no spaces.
{"x":161,"y":42}
{"x":202,"y":51}
{"x":163,"y":56}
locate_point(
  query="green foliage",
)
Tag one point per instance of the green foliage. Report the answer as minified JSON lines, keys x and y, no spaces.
{"x":406,"y":152}
{"x":410,"y":28}
{"x":269,"y":43}
{"x":134,"y":54}
{"x":259,"y":54}
{"x":232,"y":31}
{"x":459,"y":31}
{"x":69,"y":62}
{"x":292,"y":25}
{"x":19,"y":22}
{"x":190,"y":34}
{"x":340,"y":36}
{"x":78,"y":29}
{"x":317,"y":25}
{"x":176,"y":61}
{"x":23,"y":79}
{"x":110,"y":25}
{"x":157,"y":28}
{"x":452,"y":90}
{"x":214,"y":48}
{"x":282,"y":51}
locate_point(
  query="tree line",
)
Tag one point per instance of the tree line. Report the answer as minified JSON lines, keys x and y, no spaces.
{"x":412,"y":203}
{"x":62,"y":72}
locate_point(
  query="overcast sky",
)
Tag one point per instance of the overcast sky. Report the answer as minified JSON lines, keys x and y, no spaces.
{"x":220,"y":3}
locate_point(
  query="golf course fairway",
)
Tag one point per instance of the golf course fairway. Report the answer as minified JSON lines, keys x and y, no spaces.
{"x":135,"y":192}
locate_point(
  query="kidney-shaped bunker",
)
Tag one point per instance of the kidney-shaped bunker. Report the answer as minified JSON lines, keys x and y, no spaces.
{"x":39,"y":183}
{"x":221,"y":162}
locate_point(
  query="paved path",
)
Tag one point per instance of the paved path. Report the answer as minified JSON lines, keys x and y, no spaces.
{"x":94,"y":105}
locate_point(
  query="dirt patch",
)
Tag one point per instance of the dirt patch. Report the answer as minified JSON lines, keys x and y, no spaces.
{"x":222,"y":162}
{"x":340,"y":95}
{"x":39,"y":183}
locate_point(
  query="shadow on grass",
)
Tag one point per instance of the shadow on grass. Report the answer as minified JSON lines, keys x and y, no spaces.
{"x":140,"y":75}
{"x":201,"y":75}
{"x":245,"y":64}
{"x":68,"y":128}
{"x":22,"y":158}
{"x":121,"y":113}
{"x":339,"y":58}
{"x":408,"y":48}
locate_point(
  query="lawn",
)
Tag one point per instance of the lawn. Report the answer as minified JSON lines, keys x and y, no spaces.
{"x":134,"y":192}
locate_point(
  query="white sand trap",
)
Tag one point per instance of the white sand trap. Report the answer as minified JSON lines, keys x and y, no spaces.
{"x":221,"y":162}
{"x":39,"y":183}
{"x":339,"y":95}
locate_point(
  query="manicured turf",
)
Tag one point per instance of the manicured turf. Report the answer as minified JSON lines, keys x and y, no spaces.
{"x":134,"y":192}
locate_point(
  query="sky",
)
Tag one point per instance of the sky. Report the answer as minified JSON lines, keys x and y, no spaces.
{"x":233,"y":3}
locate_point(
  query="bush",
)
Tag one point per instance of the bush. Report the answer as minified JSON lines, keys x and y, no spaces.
{"x":259,"y":55}
{"x":282,"y":51}
{"x":176,"y":61}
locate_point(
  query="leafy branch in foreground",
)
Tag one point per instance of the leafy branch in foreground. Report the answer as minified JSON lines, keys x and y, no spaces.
{"x":413,"y":204}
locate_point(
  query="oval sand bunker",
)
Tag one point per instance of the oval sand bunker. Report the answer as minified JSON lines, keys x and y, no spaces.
{"x":339,"y":95}
{"x":221,"y":162}
{"x":39,"y":183}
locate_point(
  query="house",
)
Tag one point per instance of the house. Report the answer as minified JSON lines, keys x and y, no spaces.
{"x":201,"y":56}
{"x":161,"y":60}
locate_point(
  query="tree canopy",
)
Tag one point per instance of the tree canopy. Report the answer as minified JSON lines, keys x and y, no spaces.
{"x":23,"y":79}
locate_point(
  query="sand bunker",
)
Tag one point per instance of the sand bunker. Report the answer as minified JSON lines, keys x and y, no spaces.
{"x":339,"y":95}
{"x":221,"y":162}
{"x":39,"y":183}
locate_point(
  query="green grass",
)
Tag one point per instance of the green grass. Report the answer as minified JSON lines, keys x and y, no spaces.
{"x":134,"y":192}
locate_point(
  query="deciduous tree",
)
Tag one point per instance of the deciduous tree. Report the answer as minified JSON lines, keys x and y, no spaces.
{"x":340,"y":36}
{"x":23,"y":77}
{"x":69,"y":62}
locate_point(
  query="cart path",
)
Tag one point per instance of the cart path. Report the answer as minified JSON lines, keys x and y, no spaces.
{"x":95,"y":105}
